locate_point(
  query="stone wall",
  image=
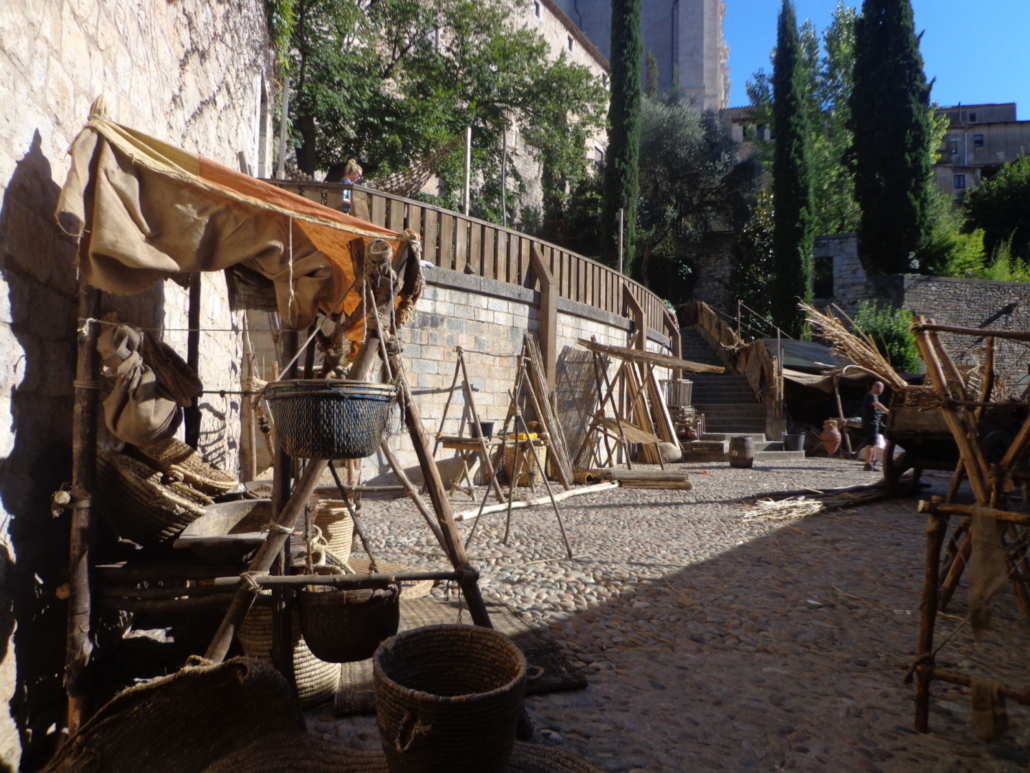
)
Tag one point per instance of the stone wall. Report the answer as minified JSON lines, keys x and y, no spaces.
{"x":195,"y":74}
{"x":849,"y":278}
{"x":969,"y":303}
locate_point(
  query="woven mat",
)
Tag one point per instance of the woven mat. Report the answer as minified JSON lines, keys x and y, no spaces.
{"x":356,"y":695}
{"x":282,"y":752}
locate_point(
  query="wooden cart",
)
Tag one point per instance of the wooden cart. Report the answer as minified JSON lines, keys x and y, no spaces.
{"x":916,"y":425}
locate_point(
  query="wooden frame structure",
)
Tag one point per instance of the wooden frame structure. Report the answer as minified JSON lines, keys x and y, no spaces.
{"x":963,"y":413}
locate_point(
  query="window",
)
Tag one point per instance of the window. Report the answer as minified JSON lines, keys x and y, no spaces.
{"x":972,"y":117}
{"x":978,"y":140}
{"x":536,"y":9}
{"x":960,"y":181}
{"x":953,"y":147}
{"x":570,"y":43}
{"x":823,"y":277}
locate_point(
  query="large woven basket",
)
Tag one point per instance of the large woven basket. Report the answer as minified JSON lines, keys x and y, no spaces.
{"x":140,"y":504}
{"x":180,"y":462}
{"x":330,"y":418}
{"x":448,"y":698}
{"x":413,"y":589}
{"x":344,"y":626}
{"x":316,"y":679}
{"x":333,"y":519}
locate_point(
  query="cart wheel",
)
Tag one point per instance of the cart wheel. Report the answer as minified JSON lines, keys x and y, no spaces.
{"x":893,"y":468}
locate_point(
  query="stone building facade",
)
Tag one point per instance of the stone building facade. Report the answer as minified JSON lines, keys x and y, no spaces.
{"x":195,"y":74}
{"x":683,"y":34}
{"x":981,"y":139}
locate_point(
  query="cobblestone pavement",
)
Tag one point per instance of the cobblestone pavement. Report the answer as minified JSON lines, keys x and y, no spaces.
{"x":715,"y":643}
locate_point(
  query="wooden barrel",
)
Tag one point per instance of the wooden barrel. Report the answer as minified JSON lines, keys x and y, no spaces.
{"x":742,"y":451}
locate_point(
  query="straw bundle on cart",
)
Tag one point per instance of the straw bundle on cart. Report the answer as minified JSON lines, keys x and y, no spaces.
{"x":854,"y":345}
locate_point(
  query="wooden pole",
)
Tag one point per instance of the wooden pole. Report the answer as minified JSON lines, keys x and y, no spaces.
{"x":467,"y":387}
{"x":936,"y":528}
{"x":452,"y":544}
{"x":191,"y":415}
{"x":79,"y":642}
{"x":921,"y":325}
{"x":277,"y":539}
{"x":840,"y":414}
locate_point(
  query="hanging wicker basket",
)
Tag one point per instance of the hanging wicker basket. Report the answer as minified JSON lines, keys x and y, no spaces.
{"x":448,"y":698}
{"x":330,"y":418}
{"x":344,"y":626}
{"x":316,"y":679}
{"x":140,"y":504}
{"x":180,"y":462}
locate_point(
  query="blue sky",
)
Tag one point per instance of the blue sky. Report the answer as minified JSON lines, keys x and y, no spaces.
{"x":977,"y":49}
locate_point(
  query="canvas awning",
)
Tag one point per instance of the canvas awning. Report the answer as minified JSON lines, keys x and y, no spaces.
{"x":144,"y":211}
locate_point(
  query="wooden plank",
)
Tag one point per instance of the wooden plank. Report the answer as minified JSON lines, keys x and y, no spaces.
{"x":395,"y":217}
{"x":378,"y":209}
{"x":430,"y":238}
{"x":476,"y":247}
{"x":461,"y":248}
{"x":489,"y":257}
{"x":649,"y":358}
{"x":446,"y":259}
{"x":524,"y":247}
{"x":413,"y":219}
{"x":558,"y":459}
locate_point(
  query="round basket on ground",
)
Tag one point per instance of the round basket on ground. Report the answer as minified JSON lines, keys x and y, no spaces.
{"x":333,"y":518}
{"x":140,"y":505}
{"x":180,"y":462}
{"x":330,"y":418}
{"x":316,"y":679}
{"x":344,"y":626}
{"x":448,"y":697}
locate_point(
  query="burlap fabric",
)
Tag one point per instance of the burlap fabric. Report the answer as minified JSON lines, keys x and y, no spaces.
{"x":153,"y":211}
{"x":988,"y":570}
{"x":990,"y":717}
{"x":139,"y":409}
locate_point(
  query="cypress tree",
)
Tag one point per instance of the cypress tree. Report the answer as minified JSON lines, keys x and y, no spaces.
{"x":890,"y":119}
{"x":651,"y":76}
{"x":793,"y":205}
{"x":621,"y":183}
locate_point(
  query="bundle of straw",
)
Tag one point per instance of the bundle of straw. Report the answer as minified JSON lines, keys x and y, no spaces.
{"x":784,"y":509}
{"x":856,"y":346}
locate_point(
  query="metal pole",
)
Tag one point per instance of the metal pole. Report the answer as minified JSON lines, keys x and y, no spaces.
{"x":504,"y":176}
{"x":468,"y":167}
{"x":280,"y":172}
{"x":738,"y":317}
{"x":620,"y":238}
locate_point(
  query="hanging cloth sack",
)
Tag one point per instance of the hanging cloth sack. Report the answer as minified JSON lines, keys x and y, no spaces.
{"x":139,"y":409}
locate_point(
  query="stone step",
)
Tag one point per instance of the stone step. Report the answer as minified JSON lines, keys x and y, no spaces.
{"x":712,"y":410}
{"x":761,"y":457}
{"x":757,"y":437}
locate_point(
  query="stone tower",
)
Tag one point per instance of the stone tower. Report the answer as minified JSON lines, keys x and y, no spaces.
{"x":683,"y":33}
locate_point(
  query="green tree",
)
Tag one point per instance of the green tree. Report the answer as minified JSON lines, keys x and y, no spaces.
{"x":651,"y":76}
{"x":621,"y":169}
{"x":1001,"y":207}
{"x":753,"y":262}
{"x":890,"y":119}
{"x":792,"y":179}
{"x":389,"y":83}
{"x":691,"y":181}
{"x":827,"y":90}
{"x":889,"y":329}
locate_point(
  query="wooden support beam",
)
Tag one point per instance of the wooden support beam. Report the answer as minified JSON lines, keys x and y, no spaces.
{"x":637,"y":314}
{"x":277,"y":538}
{"x":673,"y":329}
{"x":1009,"y":335}
{"x":548,"y":313}
{"x":191,"y":415}
{"x":79,"y":642}
{"x":936,"y":528}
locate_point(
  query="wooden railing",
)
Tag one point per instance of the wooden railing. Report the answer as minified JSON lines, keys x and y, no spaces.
{"x":451,"y":240}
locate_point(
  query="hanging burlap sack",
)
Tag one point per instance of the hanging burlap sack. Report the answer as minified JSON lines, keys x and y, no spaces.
{"x":139,"y":410}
